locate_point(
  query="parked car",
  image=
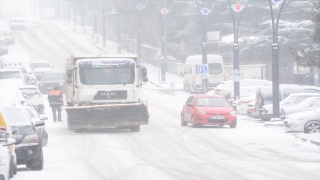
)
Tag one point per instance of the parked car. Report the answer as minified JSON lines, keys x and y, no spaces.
{"x":307,"y":104}
{"x":12,"y":74}
{"x":3,"y":46}
{"x":208,"y":110}
{"x":40,"y":67}
{"x":49,"y":80}
{"x":305,"y":121}
{"x":11,"y":97}
{"x":41,"y":129}
{"x":290,"y":101}
{"x":17,"y":23}
{"x":8,"y":37}
{"x":28,"y":146}
{"x":33,"y":97}
{"x":226,"y":88}
{"x":6,"y":167}
{"x":264,"y":96}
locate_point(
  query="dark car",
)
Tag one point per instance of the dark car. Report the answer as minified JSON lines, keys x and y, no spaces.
{"x":50,"y":80}
{"x":3,"y":46}
{"x":29,"y":145}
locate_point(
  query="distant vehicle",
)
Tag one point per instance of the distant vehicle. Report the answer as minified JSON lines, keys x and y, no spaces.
{"x":307,"y":104}
{"x":192,"y":81}
{"x":226,"y":88}
{"x":17,"y":23}
{"x":208,"y":110}
{"x":305,"y":121}
{"x":26,"y":135}
{"x":49,"y":80}
{"x":6,"y":166}
{"x":40,"y":67}
{"x":290,"y":101}
{"x":3,"y":46}
{"x":41,"y":129}
{"x":33,"y":97}
{"x":8,"y":37}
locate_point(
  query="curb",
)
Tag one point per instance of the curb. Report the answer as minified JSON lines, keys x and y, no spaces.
{"x":304,"y":139}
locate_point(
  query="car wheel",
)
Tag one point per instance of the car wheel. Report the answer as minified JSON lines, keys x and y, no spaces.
{"x":193,"y":124}
{"x":45,"y":139}
{"x":183,"y":123}
{"x":135,"y":128}
{"x":37,"y":164}
{"x":233,"y":124}
{"x":312,"y":127}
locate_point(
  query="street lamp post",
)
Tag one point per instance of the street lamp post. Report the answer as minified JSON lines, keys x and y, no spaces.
{"x":140,"y":8}
{"x":275,"y":58}
{"x":236,"y":67}
{"x":165,"y":11}
{"x":204,"y":12}
{"x":119,"y":2}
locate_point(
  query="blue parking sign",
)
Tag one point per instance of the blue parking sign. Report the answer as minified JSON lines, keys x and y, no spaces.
{"x":203,"y":70}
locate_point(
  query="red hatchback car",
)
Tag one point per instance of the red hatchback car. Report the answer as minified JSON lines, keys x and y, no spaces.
{"x":208,"y":110}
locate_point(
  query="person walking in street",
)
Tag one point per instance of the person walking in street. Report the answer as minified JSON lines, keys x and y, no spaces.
{"x":55,"y":99}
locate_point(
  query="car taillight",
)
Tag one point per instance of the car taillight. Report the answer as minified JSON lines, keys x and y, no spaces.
{"x":246,"y":101}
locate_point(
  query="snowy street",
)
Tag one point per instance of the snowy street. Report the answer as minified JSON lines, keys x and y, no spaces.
{"x":163,"y":149}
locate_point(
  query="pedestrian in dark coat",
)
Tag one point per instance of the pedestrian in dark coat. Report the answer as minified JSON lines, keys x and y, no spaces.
{"x":55,"y":99}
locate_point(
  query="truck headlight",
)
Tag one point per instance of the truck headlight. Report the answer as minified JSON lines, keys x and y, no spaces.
{"x":30,"y":139}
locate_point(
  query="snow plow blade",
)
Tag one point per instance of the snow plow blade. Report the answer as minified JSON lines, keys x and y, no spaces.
{"x":105,"y":116}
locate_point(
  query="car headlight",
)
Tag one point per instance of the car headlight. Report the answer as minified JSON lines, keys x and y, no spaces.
{"x":30,"y":139}
{"x":233,"y":113}
{"x":201,"y":112}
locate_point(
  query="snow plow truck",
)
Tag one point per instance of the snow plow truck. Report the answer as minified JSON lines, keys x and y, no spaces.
{"x":102,"y":91}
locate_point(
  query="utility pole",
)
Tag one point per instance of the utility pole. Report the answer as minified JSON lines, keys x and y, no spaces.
{"x":238,"y":8}
{"x":275,"y":58}
{"x":204,"y":13}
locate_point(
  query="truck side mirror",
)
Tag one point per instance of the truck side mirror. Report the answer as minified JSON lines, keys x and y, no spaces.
{"x":69,"y":76}
{"x":144,"y":74}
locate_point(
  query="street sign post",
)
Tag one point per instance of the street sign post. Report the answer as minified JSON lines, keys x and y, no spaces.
{"x":203,"y":71}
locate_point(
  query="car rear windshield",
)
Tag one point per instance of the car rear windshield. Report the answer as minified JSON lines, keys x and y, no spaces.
{"x":16,"y":116}
{"x":10,"y":75}
{"x":40,"y":65}
{"x":212,"y":102}
{"x":52,"y":77}
{"x":29,"y":91}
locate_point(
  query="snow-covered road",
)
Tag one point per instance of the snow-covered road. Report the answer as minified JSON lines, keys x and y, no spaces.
{"x":163,"y":149}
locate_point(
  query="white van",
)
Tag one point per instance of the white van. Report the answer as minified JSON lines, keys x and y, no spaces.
{"x":192,"y":81}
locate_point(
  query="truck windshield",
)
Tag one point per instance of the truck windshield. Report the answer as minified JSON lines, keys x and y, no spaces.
{"x":107,"y":75}
{"x":215,"y":68}
{"x":10,"y":74}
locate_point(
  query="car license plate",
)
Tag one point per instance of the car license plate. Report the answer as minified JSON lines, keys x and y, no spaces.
{"x":217,"y":117}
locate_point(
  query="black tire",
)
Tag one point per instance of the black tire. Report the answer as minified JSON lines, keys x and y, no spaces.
{"x":11,"y":168}
{"x":183,"y":123}
{"x":14,"y":164}
{"x":193,"y":124}
{"x":312,"y":127}
{"x":233,"y":124}
{"x":45,"y":138}
{"x":37,"y":165}
{"x":135,"y":128}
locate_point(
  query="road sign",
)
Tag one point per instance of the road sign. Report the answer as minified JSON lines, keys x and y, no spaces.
{"x":236,"y":75}
{"x":140,"y":6}
{"x":203,"y":71}
{"x":159,"y":56}
{"x":276,"y":1}
{"x":237,"y":7}
{"x":164,"y":11}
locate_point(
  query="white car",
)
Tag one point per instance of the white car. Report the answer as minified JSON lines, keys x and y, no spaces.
{"x":307,"y":104}
{"x":306,"y":121}
{"x":33,"y":97}
{"x":11,"y":97}
{"x":6,"y":164}
{"x":292,"y":100}
{"x":243,"y":102}
{"x":226,"y":88}
{"x":40,"y":67}
{"x":12,"y":74}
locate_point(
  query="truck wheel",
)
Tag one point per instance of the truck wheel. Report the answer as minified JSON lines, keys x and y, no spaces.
{"x":135,"y":128}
